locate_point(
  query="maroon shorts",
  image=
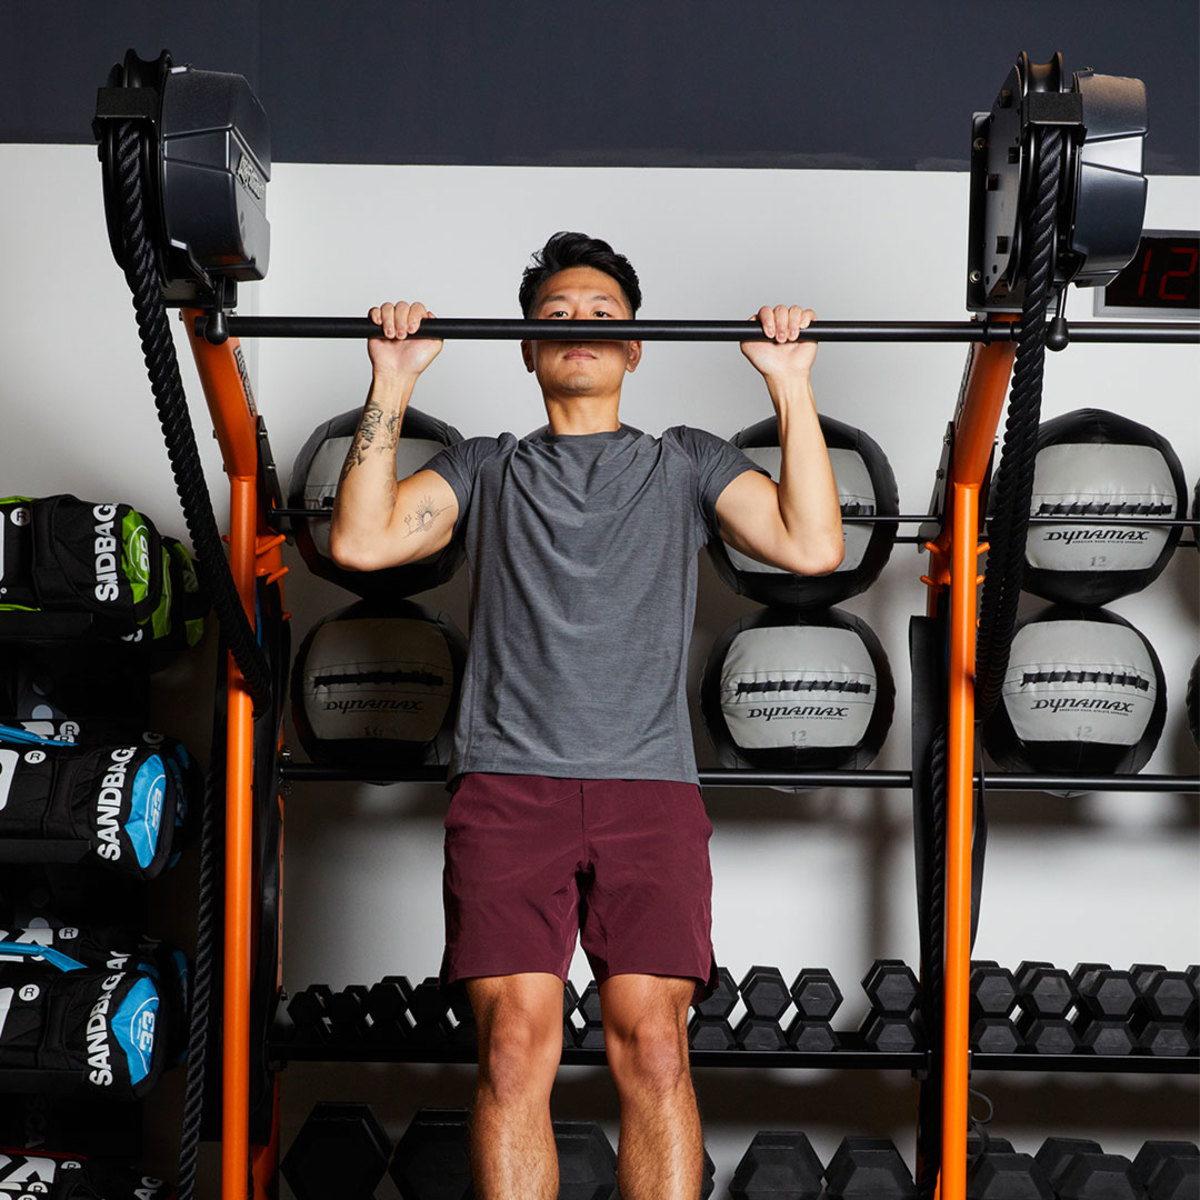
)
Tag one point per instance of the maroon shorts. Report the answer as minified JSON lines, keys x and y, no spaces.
{"x":533,"y":862}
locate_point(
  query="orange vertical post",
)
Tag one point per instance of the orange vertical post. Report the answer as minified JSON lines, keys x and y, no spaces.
{"x":231,"y":405}
{"x":954,"y":565}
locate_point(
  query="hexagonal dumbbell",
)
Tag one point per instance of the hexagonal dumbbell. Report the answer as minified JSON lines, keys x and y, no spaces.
{"x":709,"y":1027}
{"x":587,"y":1163}
{"x":1045,"y":997}
{"x":1165,"y":1019}
{"x":1079,"y":1169}
{"x":893,"y":1023}
{"x":387,"y":1003}
{"x":1169,"y":1170}
{"x":868,"y":1166}
{"x":1003,"y":1174}
{"x":766,"y":998}
{"x":341,"y":1150}
{"x":817,"y":997}
{"x":433,"y":1156}
{"x":777,"y":1164}
{"x":993,"y":998}
{"x":589,"y":1033}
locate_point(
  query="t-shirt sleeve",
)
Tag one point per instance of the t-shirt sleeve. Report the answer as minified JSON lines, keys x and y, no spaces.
{"x":717,"y":462}
{"x":459,"y":466}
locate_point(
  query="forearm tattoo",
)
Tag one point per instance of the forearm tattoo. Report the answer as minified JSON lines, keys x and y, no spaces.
{"x":376,"y":428}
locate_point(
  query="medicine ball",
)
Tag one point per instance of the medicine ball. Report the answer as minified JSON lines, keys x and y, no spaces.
{"x":1092,"y":463}
{"x":798,"y":691}
{"x":314,"y":481}
{"x":866,"y":487}
{"x":378,"y":684}
{"x":1084,"y":693}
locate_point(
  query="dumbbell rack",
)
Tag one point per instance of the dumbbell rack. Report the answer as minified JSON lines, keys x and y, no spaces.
{"x":952,"y":594}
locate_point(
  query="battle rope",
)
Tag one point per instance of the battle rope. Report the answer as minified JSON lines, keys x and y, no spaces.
{"x":162,"y":365}
{"x":1014,"y":479}
{"x":932,"y":934}
{"x":193,"y":1105}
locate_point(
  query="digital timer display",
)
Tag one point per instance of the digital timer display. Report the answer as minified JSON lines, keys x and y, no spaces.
{"x":1161,"y":279}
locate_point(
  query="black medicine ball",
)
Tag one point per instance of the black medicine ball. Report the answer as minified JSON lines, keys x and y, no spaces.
{"x":1084,"y":693}
{"x":866,"y":488}
{"x":314,"y":482}
{"x":378,"y":684}
{"x":1097,"y":464}
{"x":798,"y":691}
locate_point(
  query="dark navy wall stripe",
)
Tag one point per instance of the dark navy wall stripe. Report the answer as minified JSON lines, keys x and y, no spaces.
{"x":779,"y":83}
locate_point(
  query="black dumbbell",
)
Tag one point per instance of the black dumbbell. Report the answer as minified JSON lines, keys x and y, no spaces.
{"x":1079,"y":1169}
{"x":993,"y":998}
{"x":587,"y":1163}
{"x":341,"y":1150}
{"x":591,"y":1035}
{"x":387,"y":1004}
{"x":348,"y":1016}
{"x":709,"y":1027}
{"x":817,"y":997}
{"x":1168,"y":1170}
{"x":429,"y":1007}
{"x":1002,"y":1174}
{"x":308,"y":1010}
{"x":1045,"y":997}
{"x":1044,"y":990}
{"x":461,"y":1018}
{"x":868,"y":1166}
{"x":892,"y":1025}
{"x":1166,"y":1014}
{"x":777,"y":1164}
{"x":766,"y":998}
{"x":432,"y":1160}
{"x":570,"y":1001}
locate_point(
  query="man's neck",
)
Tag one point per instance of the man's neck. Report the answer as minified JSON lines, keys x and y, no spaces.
{"x":579,"y":415}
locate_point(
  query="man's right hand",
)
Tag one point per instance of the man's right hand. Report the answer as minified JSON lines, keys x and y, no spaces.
{"x":395,"y":353}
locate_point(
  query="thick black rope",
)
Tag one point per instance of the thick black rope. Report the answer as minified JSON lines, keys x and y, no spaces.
{"x":193,"y":1104}
{"x":932,"y":936}
{"x":162,"y":365}
{"x":1014,"y":479}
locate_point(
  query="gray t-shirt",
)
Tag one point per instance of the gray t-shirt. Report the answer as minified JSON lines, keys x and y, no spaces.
{"x":582,"y":551}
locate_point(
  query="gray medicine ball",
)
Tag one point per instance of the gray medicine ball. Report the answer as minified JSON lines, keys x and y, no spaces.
{"x":1096,"y":464}
{"x":378,"y":684}
{"x":314,"y":481}
{"x":866,"y":488}
{"x":798,"y":691}
{"x":1084,"y":693}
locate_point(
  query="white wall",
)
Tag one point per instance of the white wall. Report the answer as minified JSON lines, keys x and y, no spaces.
{"x":818,"y":878}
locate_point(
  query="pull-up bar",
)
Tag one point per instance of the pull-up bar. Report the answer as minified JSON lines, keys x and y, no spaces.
{"x":500,"y":329}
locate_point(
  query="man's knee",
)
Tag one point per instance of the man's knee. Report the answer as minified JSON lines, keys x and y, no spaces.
{"x":520,"y":1039}
{"x":646,"y":1037}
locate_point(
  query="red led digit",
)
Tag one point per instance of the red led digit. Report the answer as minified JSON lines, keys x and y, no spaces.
{"x":1141,"y":287}
{"x":1190,"y":254}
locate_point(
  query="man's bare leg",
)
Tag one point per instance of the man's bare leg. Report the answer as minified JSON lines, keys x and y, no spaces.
{"x":520,"y":1021}
{"x":645,"y":1036}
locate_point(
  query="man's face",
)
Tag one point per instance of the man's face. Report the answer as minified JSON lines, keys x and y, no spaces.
{"x":580,"y":368}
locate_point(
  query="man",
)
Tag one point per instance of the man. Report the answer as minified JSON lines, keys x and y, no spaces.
{"x":576,"y":810}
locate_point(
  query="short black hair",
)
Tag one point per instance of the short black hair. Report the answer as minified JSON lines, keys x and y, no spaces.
{"x":565,"y":249}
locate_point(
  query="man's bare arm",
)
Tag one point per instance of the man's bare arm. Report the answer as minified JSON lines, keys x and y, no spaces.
{"x":796,"y":524}
{"x":379,"y":521}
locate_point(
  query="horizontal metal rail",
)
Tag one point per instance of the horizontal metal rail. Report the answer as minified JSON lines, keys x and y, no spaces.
{"x":505,"y":329}
{"x":734,"y":777}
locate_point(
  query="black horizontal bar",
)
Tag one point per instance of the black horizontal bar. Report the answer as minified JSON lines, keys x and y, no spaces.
{"x":1129,"y":1064}
{"x":505,"y":329}
{"x":732,"y":777}
{"x":283,"y":1050}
